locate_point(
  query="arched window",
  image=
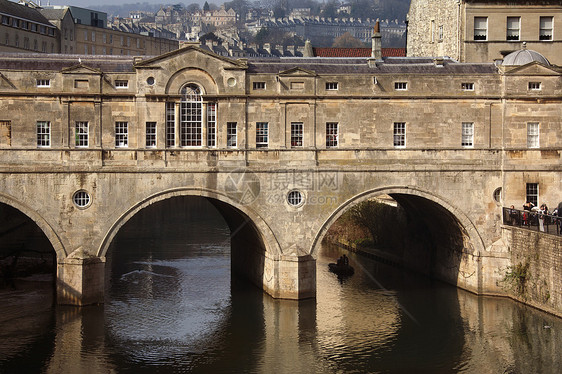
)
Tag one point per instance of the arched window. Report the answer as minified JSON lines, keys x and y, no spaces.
{"x":191,"y":116}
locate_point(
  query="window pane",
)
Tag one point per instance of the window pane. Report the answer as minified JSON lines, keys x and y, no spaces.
{"x":399,"y":134}
{"x":211,"y":124}
{"x":332,"y":137}
{"x":262,"y":135}
{"x":81,"y":134}
{"x":467,"y":134}
{"x":231,"y":134}
{"x":191,"y":113}
{"x":533,"y":135}
{"x":296,"y":134}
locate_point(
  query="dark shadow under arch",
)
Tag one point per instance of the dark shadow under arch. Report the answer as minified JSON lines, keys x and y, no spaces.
{"x":251,"y":238}
{"x":440,"y":240}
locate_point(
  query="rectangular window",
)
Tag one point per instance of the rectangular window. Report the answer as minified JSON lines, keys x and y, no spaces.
{"x":43,"y":134}
{"x":480,"y":28}
{"x":545,"y":32}
{"x":81,"y":134}
{"x":432,"y":31}
{"x":296,"y":134}
{"x":332,"y":136}
{"x":532,"y":190}
{"x":400,"y":86}
{"x":93,"y":36}
{"x":212,"y":124}
{"x":441,"y":33}
{"x":231,"y":134}
{"x":513,"y":24}
{"x":170,"y":125}
{"x":332,"y":86}
{"x":467,"y":134}
{"x":399,"y":134}
{"x":533,"y":135}
{"x":104,"y":37}
{"x":262,"y":135}
{"x":86,"y":35}
{"x":467,"y":86}
{"x":150,"y":134}
{"x":43,"y":82}
{"x":121,"y":84}
{"x":259,"y":85}
{"x":121,"y":134}
{"x":535,"y":86}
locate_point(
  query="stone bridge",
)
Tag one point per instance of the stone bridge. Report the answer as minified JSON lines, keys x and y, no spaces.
{"x":278,"y":206}
{"x":282,"y":148}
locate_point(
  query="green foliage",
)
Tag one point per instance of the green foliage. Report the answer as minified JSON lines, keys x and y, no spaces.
{"x":516,"y":277}
{"x":330,"y":9}
{"x":384,"y":222}
{"x":206,"y":7}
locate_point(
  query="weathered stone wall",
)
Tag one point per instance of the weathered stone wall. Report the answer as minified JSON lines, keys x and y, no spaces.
{"x":424,"y":21}
{"x":537,"y":259}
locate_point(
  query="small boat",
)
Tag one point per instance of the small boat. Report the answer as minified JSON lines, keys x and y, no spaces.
{"x":341,"y":269}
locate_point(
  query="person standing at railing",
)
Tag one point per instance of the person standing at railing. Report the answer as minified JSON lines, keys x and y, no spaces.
{"x":513,"y":216}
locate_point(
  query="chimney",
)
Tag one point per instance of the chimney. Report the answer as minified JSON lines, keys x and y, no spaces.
{"x":307,"y":49}
{"x":376,"y":44}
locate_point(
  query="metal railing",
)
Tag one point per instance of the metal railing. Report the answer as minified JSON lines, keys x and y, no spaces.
{"x":532,"y":220}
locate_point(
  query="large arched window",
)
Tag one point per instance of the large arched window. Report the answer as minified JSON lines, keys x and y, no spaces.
{"x":191,"y":116}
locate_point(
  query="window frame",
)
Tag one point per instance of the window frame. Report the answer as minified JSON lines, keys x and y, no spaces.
{"x":533,"y":135}
{"x":480,"y":33}
{"x":231,"y":133}
{"x":262,"y":134}
{"x":151,"y":128}
{"x":170,"y":124}
{"x":401,"y":86}
{"x":532,"y":193}
{"x":258,"y":86}
{"x":513,"y":34}
{"x":332,"y":86}
{"x":191,"y":116}
{"x":211,"y":125}
{"x":534,"y":86}
{"x":81,"y":134}
{"x":43,"y":83}
{"x":467,"y":135}
{"x":467,"y":86}
{"x":297,"y":134}
{"x":332,"y":137}
{"x":121,"y":134}
{"x":543,"y":36}
{"x":399,"y":134}
{"x":121,"y":83}
{"x":43,"y":137}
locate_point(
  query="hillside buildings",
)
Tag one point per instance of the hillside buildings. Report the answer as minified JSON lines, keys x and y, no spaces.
{"x":71,"y":30}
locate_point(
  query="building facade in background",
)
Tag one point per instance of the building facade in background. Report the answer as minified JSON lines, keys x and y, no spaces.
{"x":71,"y":30}
{"x":484,"y":30}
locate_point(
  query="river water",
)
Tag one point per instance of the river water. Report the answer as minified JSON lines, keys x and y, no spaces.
{"x":172,"y":306}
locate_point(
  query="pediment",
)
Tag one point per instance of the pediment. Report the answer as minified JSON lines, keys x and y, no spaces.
{"x":532,"y":68}
{"x":191,"y":55}
{"x":297,"y":72}
{"x":80,"y":69}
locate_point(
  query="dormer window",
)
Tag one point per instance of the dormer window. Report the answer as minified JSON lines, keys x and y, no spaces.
{"x":121,"y":84}
{"x":534,"y":86}
{"x":43,"y":83}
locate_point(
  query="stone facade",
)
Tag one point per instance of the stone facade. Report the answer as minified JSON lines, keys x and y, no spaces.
{"x":447,"y":28}
{"x":282,"y":148}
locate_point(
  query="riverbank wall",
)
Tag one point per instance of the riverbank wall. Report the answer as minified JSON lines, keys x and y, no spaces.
{"x":535,"y":274}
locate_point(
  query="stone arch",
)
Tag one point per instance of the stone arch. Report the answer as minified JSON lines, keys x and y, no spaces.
{"x":269,"y":240}
{"x":49,"y":232}
{"x":462,"y":218}
{"x":191,"y":75}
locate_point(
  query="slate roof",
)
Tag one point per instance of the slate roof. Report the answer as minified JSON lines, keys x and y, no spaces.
{"x":57,"y":62}
{"x":390,"y":65}
{"x":24,"y":12}
{"x":356,"y":52}
{"x":319,"y":65}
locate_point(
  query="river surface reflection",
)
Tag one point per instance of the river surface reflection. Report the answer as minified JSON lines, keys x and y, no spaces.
{"x":172,"y":306}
